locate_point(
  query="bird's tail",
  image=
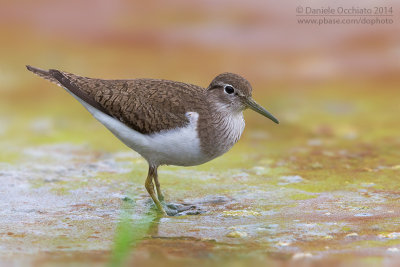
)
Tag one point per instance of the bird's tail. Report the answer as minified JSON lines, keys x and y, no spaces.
{"x":44,"y":74}
{"x":62,"y":80}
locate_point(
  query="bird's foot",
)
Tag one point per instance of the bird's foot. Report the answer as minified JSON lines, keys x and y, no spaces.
{"x":181,"y":209}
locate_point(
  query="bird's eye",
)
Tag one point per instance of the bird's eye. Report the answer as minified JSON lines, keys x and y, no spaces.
{"x":229,"y":89}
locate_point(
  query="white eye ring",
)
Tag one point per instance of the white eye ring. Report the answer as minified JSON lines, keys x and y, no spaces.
{"x":229,"y":89}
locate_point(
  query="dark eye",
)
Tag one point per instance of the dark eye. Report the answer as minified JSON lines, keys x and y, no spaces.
{"x":229,"y":89}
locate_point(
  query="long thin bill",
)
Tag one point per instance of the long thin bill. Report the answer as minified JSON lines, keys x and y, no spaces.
{"x":257,"y":108}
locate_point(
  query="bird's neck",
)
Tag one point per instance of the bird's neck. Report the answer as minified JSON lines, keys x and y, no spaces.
{"x":224,"y":128}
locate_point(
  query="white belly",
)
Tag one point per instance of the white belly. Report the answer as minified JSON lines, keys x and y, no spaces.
{"x":180,"y":146}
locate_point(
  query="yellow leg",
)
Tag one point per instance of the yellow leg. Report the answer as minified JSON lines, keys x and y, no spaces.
{"x":150,"y":188}
{"x":158,"y":188}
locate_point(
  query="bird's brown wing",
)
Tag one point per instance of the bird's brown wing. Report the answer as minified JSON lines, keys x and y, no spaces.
{"x":145,"y":105}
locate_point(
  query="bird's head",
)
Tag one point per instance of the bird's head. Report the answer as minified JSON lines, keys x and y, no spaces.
{"x":233,"y":92}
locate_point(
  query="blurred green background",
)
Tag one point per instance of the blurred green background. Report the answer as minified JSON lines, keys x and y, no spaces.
{"x":335,"y":89}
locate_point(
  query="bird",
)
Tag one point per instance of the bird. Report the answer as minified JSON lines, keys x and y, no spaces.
{"x":166,"y":122}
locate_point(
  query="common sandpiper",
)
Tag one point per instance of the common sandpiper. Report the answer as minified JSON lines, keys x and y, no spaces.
{"x":166,"y":122}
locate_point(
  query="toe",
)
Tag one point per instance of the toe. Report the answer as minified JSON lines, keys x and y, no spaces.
{"x":182,"y":209}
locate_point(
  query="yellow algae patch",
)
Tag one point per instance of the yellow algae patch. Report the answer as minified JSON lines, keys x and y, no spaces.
{"x":301,"y":196}
{"x":237,"y":234}
{"x":237,"y":213}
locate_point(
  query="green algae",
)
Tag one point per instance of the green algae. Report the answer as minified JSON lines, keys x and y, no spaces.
{"x":128,"y":233}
